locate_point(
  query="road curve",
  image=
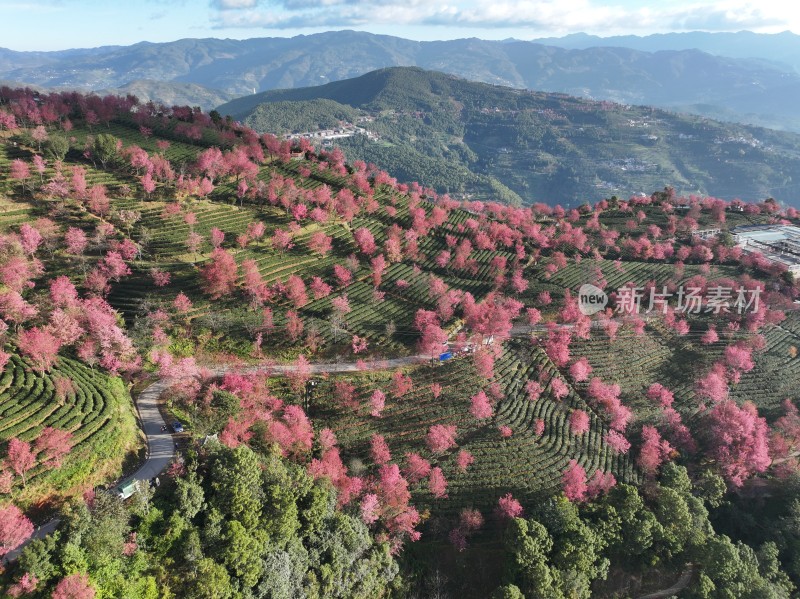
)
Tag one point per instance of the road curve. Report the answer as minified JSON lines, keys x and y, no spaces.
{"x":160,"y":443}
{"x":160,"y":446}
{"x":160,"y":451}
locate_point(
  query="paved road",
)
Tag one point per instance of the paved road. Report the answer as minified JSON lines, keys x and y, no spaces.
{"x":161,"y":445}
{"x":160,"y":451}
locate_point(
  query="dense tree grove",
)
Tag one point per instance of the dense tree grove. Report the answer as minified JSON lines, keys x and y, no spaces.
{"x":560,"y":548}
{"x":228,"y":523}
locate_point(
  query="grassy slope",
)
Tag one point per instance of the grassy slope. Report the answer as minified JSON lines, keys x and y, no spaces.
{"x":100,"y":415}
{"x":528,"y":466}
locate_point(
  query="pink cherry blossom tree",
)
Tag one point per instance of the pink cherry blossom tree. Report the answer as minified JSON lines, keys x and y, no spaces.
{"x":365,"y":240}
{"x":481,"y":407}
{"x":738,"y":441}
{"x":441,"y":437}
{"x":342,"y":275}
{"x":533,"y":389}
{"x":15,"y":528}
{"x":559,"y":388}
{"x":484,"y":363}
{"x":359,"y":344}
{"x":320,"y":243}
{"x":20,"y":171}
{"x":182,"y":303}
{"x":379,"y":449}
{"x":319,"y":288}
{"x":739,"y":357}
{"x":282,"y":241}
{"x":464,"y":460}
{"x":508,"y":507}
{"x":659,"y":393}
{"x":40,"y":346}
{"x":370,"y":508}
{"x":417,"y":467}
{"x":710,"y":336}
{"x":573,"y":482}
{"x":437,"y":483}
{"x":580,"y":370}
{"x":600,"y":484}
{"x":654,"y":450}
{"x":74,"y":586}
{"x":713,"y":385}
{"x":557,"y":346}
{"x":24,"y":586}
{"x":432,"y":336}
{"x":401,"y":384}
{"x":219,"y":275}
{"x":377,"y":403}
{"x":295,"y":290}
{"x":578,"y":422}
{"x":75,"y":241}
{"x":20,"y":457}
{"x":216,"y":237}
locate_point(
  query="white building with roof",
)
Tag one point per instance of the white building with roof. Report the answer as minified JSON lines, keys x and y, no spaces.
{"x":777,"y":243}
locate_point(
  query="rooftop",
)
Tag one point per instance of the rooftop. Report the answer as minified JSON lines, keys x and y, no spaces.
{"x":778,"y":243}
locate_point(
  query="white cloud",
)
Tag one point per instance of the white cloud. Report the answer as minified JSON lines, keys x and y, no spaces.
{"x":234,"y":4}
{"x":603,"y":17}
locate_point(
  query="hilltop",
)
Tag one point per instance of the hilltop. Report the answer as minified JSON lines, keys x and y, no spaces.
{"x":491,"y":141}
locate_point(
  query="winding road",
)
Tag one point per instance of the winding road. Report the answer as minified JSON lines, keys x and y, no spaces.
{"x":160,"y":443}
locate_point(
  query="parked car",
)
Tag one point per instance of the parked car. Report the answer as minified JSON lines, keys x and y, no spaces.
{"x":177,"y":427}
{"x":126,"y":490}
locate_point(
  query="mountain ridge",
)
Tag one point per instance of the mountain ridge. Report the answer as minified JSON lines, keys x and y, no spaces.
{"x":668,"y":78}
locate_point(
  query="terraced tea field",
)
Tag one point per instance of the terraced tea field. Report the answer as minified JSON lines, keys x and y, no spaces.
{"x":97,"y":411}
{"x":525,"y":464}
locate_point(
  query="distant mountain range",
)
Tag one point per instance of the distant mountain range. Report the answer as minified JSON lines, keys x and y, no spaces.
{"x":782,"y":49}
{"x":491,"y":141}
{"x":167,"y":93}
{"x":750,"y":78}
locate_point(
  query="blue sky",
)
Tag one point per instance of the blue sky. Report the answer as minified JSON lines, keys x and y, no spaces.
{"x":61,"y":24}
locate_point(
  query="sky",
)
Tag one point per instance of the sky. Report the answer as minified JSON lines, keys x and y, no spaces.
{"x":63,"y":24}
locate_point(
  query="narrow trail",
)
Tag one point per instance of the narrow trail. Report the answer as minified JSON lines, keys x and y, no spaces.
{"x":681,"y":584}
